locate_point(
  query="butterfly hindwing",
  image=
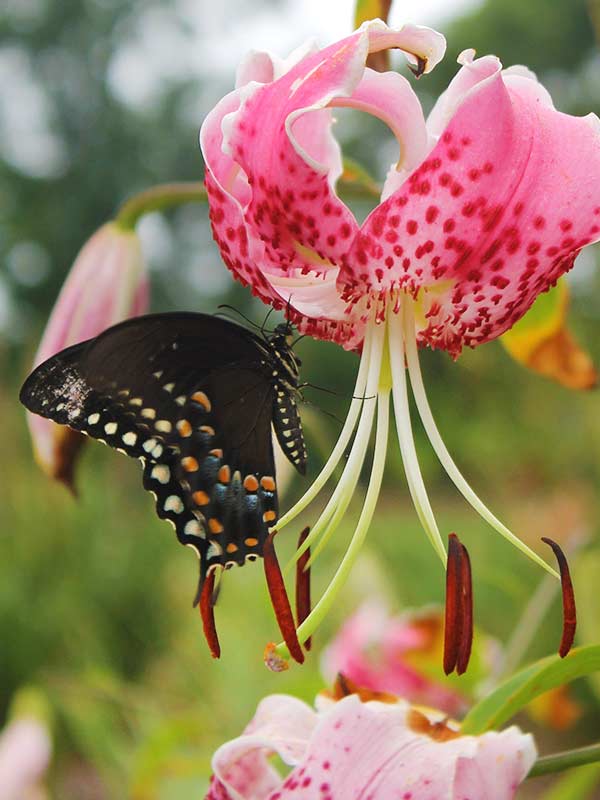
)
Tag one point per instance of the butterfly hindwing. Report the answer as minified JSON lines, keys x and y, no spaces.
{"x":194,"y":397}
{"x":226,"y":463}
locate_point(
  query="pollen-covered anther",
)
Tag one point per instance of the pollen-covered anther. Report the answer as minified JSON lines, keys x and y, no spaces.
{"x":303,"y":604}
{"x":279,"y":599}
{"x":208,"y":614}
{"x":568,"y":598}
{"x":458,"y":626}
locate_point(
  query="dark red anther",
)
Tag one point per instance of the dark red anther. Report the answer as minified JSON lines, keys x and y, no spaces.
{"x":303,"y":585}
{"x":207,"y":613}
{"x":568,"y":598}
{"x":466,"y":633}
{"x":458,"y":626}
{"x":279,"y":599}
{"x":453,"y":616}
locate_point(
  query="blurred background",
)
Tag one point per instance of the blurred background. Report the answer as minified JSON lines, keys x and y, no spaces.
{"x":102,"y":98}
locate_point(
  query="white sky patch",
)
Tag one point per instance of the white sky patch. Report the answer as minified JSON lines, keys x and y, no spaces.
{"x":208,"y":39}
{"x":26,"y":138}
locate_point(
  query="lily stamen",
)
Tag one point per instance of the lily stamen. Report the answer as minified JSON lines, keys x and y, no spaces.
{"x":458,"y":626}
{"x":568,"y":599}
{"x":303,"y":603}
{"x":466,"y":635}
{"x":279,"y":599}
{"x":207,"y":612}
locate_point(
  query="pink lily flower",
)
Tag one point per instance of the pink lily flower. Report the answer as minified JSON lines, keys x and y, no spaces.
{"x":355,"y":749}
{"x":462,"y":243}
{"x":106,"y":284}
{"x":378,"y":651}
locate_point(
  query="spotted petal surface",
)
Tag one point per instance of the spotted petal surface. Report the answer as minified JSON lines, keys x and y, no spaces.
{"x":471,"y":233}
{"x":272,"y":163}
{"x":355,"y":750}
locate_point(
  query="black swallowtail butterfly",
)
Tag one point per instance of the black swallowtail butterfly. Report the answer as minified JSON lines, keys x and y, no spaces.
{"x":193,"y":397}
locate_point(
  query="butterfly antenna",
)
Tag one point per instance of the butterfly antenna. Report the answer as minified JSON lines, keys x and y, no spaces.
{"x":297,"y":339}
{"x":319,"y":388}
{"x":265,"y":320}
{"x":287,"y":316}
{"x":239,"y":313}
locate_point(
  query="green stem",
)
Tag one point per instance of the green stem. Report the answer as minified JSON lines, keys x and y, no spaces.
{"x":157,"y":198}
{"x":558,"y":762}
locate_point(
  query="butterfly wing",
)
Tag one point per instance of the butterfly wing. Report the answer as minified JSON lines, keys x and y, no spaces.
{"x":177,"y":390}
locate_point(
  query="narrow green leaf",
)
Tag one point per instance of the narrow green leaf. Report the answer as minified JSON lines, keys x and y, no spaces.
{"x":585,"y":571}
{"x":578,"y":784}
{"x":511,"y":696}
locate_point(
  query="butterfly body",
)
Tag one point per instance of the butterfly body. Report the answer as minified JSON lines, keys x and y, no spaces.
{"x":194,"y":398}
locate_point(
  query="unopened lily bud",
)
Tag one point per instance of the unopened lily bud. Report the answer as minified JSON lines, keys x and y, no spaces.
{"x":106,"y":284}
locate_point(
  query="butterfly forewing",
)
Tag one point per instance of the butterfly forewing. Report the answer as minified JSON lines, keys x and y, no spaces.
{"x":194,"y":397}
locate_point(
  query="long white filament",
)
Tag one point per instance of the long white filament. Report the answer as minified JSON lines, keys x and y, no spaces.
{"x":342,"y":495}
{"x":418,"y":388}
{"x":342,"y":442}
{"x":322,"y":607}
{"x":405,"y":437}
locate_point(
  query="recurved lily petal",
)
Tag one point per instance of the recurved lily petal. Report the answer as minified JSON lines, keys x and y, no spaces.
{"x":106,"y":284}
{"x":470,"y":234}
{"x":272,"y":161}
{"x":353,"y":749}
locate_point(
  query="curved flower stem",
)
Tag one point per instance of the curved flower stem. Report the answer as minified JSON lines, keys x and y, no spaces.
{"x":438,"y":445}
{"x":158,"y":198}
{"x":405,"y":437}
{"x":321,"y":609}
{"x":558,"y":762}
{"x":342,"y":442}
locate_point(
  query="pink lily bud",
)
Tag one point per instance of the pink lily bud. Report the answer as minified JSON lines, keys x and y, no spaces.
{"x":106,"y":284}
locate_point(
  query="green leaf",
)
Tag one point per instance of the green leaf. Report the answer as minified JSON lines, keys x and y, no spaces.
{"x":585,"y":577}
{"x":577,"y":784}
{"x":514,"y":694}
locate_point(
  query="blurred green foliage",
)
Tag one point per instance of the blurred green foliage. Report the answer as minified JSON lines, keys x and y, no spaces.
{"x":95,"y":596}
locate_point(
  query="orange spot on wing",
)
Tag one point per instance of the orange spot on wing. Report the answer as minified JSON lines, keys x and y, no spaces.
{"x":202,"y":400}
{"x":184,"y":428}
{"x":250,"y":483}
{"x":225,"y":474}
{"x":214,"y":525}
{"x":201,"y":498}
{"x":268,"y":483}
{"x":190,"y":464}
